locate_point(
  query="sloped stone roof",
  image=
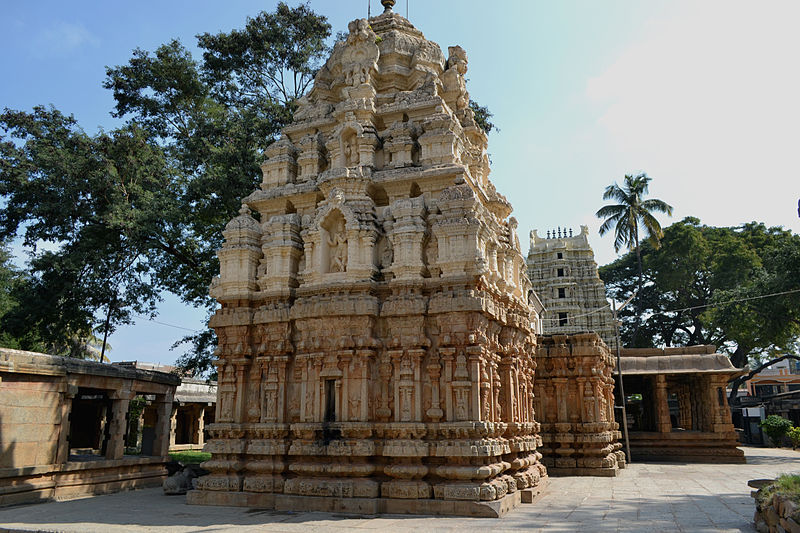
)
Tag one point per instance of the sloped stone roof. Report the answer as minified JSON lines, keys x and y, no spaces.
{"x":680,"y":363}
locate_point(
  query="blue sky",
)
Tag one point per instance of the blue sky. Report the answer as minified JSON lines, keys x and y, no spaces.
{"x":700,"y":95}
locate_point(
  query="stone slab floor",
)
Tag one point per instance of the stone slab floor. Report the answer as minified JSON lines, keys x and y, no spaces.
{"x":645,"y":497}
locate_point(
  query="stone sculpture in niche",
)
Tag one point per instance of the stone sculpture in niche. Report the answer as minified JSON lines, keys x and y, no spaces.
{"x":350,"y":149}
{"x":337,"y":245}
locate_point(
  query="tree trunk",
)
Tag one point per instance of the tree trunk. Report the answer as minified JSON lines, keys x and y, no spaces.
{"x":638,"y":305}
{"x":739,"y":356}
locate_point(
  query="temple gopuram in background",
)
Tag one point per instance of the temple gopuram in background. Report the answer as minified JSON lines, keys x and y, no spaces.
{"x":376,"y":347}
{"x":563,"y":273}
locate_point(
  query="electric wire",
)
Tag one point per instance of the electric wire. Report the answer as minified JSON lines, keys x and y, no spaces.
{"x":680,"y":310}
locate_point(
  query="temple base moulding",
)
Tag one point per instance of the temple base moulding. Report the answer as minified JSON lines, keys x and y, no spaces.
{"x":367,"y":506}
{"x":596,"y":472}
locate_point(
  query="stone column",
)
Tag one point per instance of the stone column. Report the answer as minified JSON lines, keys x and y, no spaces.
{"x":685,"y":406}
{"x":163,"y":405}
{"x":435,"y":412}
{"x":120,"y":400}
{"x":62,"y":454}
{"x":173,"y":425}
{"x":241,"y":389}
{"x":663,"y":424}
{"x":201,"y":424}
{"x":722,"y":421}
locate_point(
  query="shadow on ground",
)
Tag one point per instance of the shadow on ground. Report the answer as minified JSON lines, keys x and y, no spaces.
{"x":146,"y":509}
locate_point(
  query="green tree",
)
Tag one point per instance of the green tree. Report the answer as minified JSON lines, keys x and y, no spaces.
{"x":96,"y":202}
{"x":776,"y":427}
{"x":632,"y":217}
{"x":129,"y":213}
{"x":214,"y":119}
{"x":483,"y":117}
{"x":133,"y":212}
{"x":11,"y":280}
{"x":706,"y":285}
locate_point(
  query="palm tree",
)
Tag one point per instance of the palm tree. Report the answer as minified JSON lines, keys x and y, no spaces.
{"x":632,"y":216}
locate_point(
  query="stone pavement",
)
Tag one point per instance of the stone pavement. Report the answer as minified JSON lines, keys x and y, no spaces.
{"x":650,"y":497}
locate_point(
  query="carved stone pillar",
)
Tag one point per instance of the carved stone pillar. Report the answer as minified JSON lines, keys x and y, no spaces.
{"x":201,"y":423}
{"x":685,"y":407}
{"x":435,"y":412}
{"x":462,"y":387}
{"x":173,"y":425}
{"x":241,"y":389}
{"x":120,"y":400}
{"x":663,"y":424}
{"x":279,"y":373}
{"x":448,"y":355}
{"x":416,"y":357}
{"x":163,"y":406}
{"x":385,"y":372}
{"x":62,"y":455}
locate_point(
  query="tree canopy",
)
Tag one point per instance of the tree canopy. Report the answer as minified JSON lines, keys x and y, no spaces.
{"x":113,"y":220}
{"x":734,"y":287}
{"x":632,"y":220}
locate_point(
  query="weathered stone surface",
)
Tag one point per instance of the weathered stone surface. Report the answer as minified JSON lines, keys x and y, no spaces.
{"x":564,"y":275}
{"x":375,"y":336}
{"x":575,"y":401}
{"x":42,"y":397}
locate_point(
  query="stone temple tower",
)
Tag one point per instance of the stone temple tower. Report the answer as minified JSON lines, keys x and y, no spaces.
{"x":375,"y":341}
{"x":563,"y":272}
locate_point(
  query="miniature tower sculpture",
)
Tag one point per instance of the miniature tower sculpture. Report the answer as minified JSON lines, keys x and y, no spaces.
{"x":375,"y":343}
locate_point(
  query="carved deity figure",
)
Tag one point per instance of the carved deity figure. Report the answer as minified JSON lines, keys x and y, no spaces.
{"x":337,"y":247}
{"x":453,"y":77}
{"x":350,"y":151}
{"x":271,"y":404}
{"x":360,"y":56}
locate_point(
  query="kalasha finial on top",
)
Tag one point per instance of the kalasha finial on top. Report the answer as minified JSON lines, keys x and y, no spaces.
{"x":388,"y":5}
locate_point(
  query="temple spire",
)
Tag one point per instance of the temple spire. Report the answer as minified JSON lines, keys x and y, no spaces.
{"x":387,"y":5}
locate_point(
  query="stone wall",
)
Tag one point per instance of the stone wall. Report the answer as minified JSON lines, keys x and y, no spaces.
{"x":779,"y":513}
{"x":38,"y":399}
{"x":575,"y":401}
{"x":30,"y":420}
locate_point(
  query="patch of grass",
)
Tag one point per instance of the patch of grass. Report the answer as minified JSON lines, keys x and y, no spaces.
{"x":190,"y":456}
{"x":785,"y":485}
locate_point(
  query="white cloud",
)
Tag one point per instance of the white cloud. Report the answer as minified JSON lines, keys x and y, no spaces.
{"x":61,"y":39}
{"x":707,"y":103}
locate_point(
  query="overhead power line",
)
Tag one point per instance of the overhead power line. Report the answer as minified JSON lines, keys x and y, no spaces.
{"x":720,"y":304}
{"x":164,"y":323}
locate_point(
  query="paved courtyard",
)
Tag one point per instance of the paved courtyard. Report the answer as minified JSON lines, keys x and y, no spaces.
{"x":645,"y":497}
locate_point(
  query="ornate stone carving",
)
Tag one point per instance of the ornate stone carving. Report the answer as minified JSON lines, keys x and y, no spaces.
{"x":366,"y":347}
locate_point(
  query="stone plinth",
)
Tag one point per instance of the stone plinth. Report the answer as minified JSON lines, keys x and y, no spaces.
{"x":375,"y":348}
{"x":575,"y":401}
